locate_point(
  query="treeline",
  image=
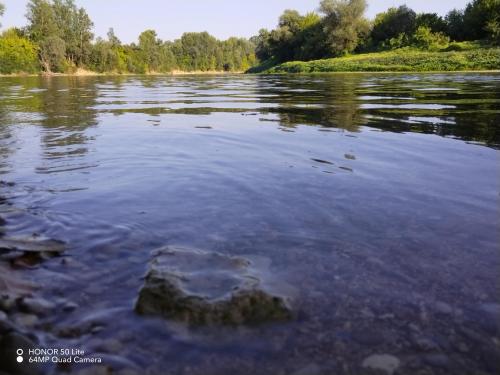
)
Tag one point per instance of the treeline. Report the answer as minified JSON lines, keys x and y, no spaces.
{"x":59,"y":38}
{"x":340,"y":28}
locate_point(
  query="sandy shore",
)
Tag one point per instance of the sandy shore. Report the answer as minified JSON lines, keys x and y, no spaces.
{"x":89,"y":73}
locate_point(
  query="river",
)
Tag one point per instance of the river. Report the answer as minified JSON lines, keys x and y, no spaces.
{"x":375,"y":197}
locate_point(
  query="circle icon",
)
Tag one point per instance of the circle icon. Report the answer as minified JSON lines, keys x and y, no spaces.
{"x":19,"y":359}
{"x":19,"y":352}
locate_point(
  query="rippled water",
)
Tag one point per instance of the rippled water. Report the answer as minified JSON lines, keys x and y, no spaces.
{"x":375,"y":196}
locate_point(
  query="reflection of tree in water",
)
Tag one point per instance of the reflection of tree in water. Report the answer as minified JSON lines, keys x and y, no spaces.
{"x":17,"y":107}
{"x":67,"y":110}
{"x":473,"y":116}
{"x":465,"y":109}
{"x":61,"y":106}
{"x":314,"y":100}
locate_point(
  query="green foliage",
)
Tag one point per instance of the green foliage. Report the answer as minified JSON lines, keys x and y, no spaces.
{"x":392,"y":23}
{"x":431,"y":20}
{"x":41,"y":20}
{"x":310,"y":36}
{"x":2,"y":10}
{"x":345,"y":24}
{"x":479,"y":20}
{"x":296,"y":37}
{"x":61,"y":19}
{"x":262,"y":42}
{"x":455,"y":27}
{"x":462,"y":46}
{"x":425,"y":39}
{"x":59,"y":35}
{"x":197,"y":52}
{"x":17,"y":54}
{"x":478,"y":15}
{"x":52,"y":54}
{"x":238,"y":54}
{"x":404,"y":60}
{"x":493,"y":30}
{"x":402,"y":40}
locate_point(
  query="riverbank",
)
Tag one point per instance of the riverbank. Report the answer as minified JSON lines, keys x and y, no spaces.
{"x":401,"y":60}
{"x":89,"y":73}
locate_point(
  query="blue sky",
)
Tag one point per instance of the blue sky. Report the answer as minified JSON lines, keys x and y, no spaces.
{"x":222,"y":18}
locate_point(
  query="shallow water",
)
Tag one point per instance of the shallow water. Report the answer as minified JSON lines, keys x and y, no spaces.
{"x":375,"y":197}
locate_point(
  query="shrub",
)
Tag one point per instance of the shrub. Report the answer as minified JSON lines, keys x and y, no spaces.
{"x":425,"y":39}
{"x":17,"y":54}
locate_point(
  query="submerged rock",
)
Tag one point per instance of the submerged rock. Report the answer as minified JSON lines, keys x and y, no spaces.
{"x":384,"y":362}
{"x":202,"y":288}
{"x":12,"y":287}
{"x":30,"y":245}
{"x":30,"y":251}
{"x":38,"y":306}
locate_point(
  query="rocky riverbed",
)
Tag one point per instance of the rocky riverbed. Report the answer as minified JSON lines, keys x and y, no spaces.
{"x":192,"y":289}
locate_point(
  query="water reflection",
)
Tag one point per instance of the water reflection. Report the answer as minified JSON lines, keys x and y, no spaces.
{"x":462,"y":108}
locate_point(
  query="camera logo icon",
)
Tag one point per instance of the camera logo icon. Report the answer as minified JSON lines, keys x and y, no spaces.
{"x":19,"y":353}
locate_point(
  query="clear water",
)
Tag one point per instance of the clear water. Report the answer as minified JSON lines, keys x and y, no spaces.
{"x":376,"y":197}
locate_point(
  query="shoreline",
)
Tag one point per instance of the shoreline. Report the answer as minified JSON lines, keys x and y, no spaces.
{"x":201,"y":73}
{"x":89,"y":73}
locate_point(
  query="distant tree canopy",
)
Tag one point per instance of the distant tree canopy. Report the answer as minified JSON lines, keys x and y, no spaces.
{"x":62,"y":35}
{"x":340,"y":28}
{"x":59,"y":38}
{"x":2,"y":10}
{"x":192,"y":52}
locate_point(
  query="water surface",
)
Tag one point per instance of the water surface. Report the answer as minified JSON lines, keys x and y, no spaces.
{"x":375,"y":196}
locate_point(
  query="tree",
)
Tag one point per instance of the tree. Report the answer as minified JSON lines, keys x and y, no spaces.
{"x":479,"y":17}
{"x":17,"y":54}
{"x":75,"y":28}
{"x":392,"y":23}
{"x":62,"y":19}
{"x":296,"y":37}
{"x":52,"y":54}
{"x":2,"y":10}
{"x":493,"y":29}
{"x":149,"y":46}
{"x":311,"y":42}
{"x":455,"y":27}
{"x":237,"y":54}
{"x":197,"y":51}
{"x":431,"y":20}
{"x":41,"y":20}
{"x":344,"y":24}
{"x":113,"y":39}
{"x":479,"y":20}
{"x":262,"y":45}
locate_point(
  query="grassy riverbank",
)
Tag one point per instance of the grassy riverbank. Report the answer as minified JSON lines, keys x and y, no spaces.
{"x":401,"y":60}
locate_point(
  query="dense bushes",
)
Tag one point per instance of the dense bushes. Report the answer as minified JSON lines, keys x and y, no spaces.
{"x":17,"y":54}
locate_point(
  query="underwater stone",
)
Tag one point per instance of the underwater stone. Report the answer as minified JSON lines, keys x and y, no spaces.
{"x":384,"y":362}
{"x":200,"y":287}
